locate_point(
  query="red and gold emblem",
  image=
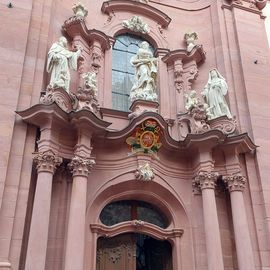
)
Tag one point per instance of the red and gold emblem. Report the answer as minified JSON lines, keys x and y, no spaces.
{"x":145,"y":138}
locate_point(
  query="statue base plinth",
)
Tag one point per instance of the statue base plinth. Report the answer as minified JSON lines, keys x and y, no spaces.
{"x":140,"y":106}
{"x":66,"y":101}
{"x":224,"y":124}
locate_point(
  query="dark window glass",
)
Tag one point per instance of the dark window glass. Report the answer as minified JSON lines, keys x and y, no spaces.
{"x":123,"y":72}
{"x":121,"y":211}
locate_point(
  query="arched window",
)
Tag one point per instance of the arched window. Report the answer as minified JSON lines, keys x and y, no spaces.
{"x":124,"y":48}
{"x":121,"y":211}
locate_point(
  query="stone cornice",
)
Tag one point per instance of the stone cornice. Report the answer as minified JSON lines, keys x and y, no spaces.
{"x":197,"y":54}
{"x":253,"y":6}
{"x":137,"y":8}
{"x":75,"y":26}
{"x":235,"y":182}
{"x":242,"y":142}
{"x":37,"y":114}
{"x":47,"y":161}
{"x":133,"y":226}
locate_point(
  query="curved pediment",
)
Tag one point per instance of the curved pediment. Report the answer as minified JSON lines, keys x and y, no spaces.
{"x":138,"y":8}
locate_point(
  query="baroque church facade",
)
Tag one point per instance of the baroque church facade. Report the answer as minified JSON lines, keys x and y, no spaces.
{"x":135,"y":135}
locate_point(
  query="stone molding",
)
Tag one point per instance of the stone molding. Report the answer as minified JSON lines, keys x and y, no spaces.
{"x":47,"y":161}
{"x":254,"y":6}
{"x":138,"y":8}
{"x":235,"y":182}
{"x":80,"y":166}
{"x":205,"y":180}
{"x":132,"y":226}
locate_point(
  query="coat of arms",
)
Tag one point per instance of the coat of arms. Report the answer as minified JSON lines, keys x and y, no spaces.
{"x":145,"y":138}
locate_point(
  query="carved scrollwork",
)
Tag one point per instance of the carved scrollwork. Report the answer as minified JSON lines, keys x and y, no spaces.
{"x":235,"y":182}
{"x":224,"y":124}
{"x":205,"y":180}
{"x":178,"y":75}
{"x":79,"y":10}
{"x":47,"y":161}
{"x":81,"y":166}
{"x":136,"y":24}
{"x":63,"y":99}
{"x":145,"y":172}
{"x":114,"y":254}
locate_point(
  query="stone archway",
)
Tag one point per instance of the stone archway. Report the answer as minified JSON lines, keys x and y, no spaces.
{"x":157,"y":192}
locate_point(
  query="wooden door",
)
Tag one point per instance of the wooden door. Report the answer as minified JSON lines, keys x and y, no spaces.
{"x":117,"y":253}
{"x":133,"y":252}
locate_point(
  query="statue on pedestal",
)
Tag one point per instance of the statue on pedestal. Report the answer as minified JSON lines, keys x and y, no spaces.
{"x":214,"y":94}
{"x":145,"y":75}
{"x":60,"y":59}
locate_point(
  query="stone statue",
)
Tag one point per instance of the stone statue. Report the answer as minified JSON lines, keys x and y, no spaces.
{"x":144,"y":86}
{"x":214,"y":94}
{"x":60,"y":58}
{"x":90,"y":82}
{"x":190,"y":38}
{"x":192,"y":100}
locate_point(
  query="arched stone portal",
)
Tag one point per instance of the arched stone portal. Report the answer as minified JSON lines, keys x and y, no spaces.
{"x":159,"y":194}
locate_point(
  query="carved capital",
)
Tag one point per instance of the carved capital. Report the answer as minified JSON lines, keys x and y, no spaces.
{"x":47,"y":161}
{"x":81,"y":166}
{"x":235,"y":182}
{"x":205,"y":180}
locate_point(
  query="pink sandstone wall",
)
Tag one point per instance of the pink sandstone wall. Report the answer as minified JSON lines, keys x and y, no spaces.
{"x":232,"y":39}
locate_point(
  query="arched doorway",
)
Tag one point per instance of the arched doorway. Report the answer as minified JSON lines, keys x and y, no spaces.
{"x":161,"y":198}
{"x":133,"y":251}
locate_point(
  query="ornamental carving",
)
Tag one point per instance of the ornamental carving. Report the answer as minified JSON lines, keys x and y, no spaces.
{"x":67,"y":102}
{"x":224,"y":124}
{"x":235,"y":182}
{"x":136,"y":24}
{"x":87,"y":95}
{"x":145,"y":138}
{"x":114,"y":254}
{"x":47,"y":161}
{"x":178,"y":75}
{"x":255,"y":5}
{"x":190,"y":38}
{"x":205,"y":180}
{"x":145,"y":172}
{"x":79,"y":10}
{"x":197,"y":114}
{"x":81,"y":166}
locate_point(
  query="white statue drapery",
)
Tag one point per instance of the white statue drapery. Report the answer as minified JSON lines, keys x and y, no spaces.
{"x":60,"y":59}
{"x":144,"y":86}
{"x":214,"y":94}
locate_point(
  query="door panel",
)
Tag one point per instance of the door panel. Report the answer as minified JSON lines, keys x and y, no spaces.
{"x":117,"y":253}
{"x":133,"y":252}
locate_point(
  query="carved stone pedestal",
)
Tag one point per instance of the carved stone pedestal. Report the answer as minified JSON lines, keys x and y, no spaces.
{"x":67,"y":102}
{"x":87,"y":100}
{"x":140,"y":106}
{"x":224,"y":124}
